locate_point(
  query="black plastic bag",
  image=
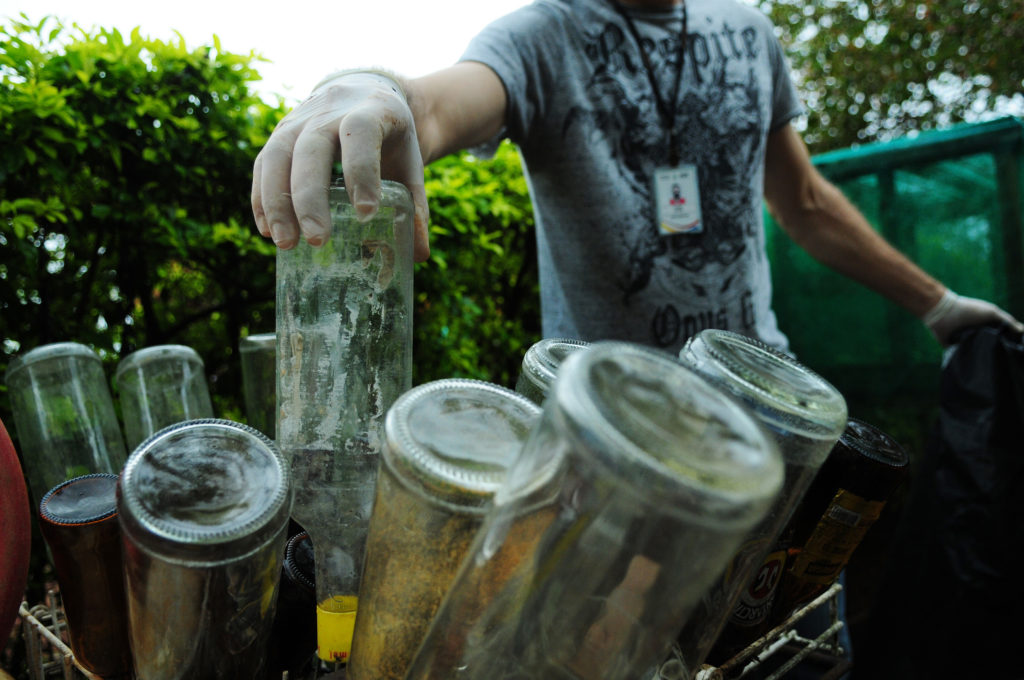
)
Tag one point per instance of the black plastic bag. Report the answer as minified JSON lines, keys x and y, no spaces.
{"x":952,"y":603}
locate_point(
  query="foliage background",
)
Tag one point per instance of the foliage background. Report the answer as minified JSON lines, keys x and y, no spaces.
{"x":125,"y":166}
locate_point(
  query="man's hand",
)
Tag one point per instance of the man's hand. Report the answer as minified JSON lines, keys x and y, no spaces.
{"x":360,"y":117}
{"x":953,"y":313}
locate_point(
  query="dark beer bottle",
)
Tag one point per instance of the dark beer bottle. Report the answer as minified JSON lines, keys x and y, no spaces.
{"x":848,"y":494}
{"x":78,"y":519}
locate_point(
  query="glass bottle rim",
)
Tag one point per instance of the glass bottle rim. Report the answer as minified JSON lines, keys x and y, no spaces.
{"x":391,"y":192}
{"x":874,"y":443}
{"x":681,"y":459}
{"x":799,"y":402}
{"x":189,"y":537}
{"x":56,"y":350}
{"x":155,"y":353}
{"x":544,"y":357}
{"x":257,"y":341}
{"x":47,"y":513}
{"x":466,"y":483}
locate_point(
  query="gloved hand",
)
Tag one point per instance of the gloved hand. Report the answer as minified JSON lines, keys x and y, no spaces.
{"x":954,"y":312}
{"x":361,"y":117}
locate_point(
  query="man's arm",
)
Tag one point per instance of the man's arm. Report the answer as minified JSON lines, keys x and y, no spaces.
{"x":380,"y":127}
{"x":819,"y":218}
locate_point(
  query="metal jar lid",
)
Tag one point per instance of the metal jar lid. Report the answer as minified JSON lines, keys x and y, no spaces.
{"x":453,"y":440}
{"x":57,"y":350}
{"x":138,"y":359}
{"x":542,"y":360}
{"x":204,"y":490}
{"x":787,"y":396}
{"x":82,"y":500}
{"x":667,"y":433}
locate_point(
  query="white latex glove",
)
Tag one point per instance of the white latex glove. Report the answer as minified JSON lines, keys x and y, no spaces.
{"x":361,"y":117}
{"x":953,"y":313}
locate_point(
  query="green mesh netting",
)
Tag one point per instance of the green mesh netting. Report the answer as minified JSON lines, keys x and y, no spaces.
{"x":951,"y":200}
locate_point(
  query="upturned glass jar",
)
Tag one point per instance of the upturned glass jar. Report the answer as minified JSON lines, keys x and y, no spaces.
{"x":203,"y":508}
{"x":805,"y":415}
{"x":627,"y":501}
{"x":344,"y":355}
{"x":449,"y":444}
{"x":78,"y":520}
{"x":259,"y":383}
{"x":541,"y":363}
{"x":159,"y":386}
{"x":64,"y":415}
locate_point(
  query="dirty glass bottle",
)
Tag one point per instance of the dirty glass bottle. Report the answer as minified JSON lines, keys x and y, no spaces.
{"x":259,"y":382}
{"x":845,"y":499}
{"x":64,"y":415}
{"x":541,"y":363}
{"x":628,"y":499}
{"x":78,"y":521}
{"x":344,"y":355}
{"x":805,"y":415}
{"x":159,"y":386}
{"x":203,"y":508}
{"x":448,"y":446}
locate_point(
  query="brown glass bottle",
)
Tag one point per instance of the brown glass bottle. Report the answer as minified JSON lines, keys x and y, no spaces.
{"x":848,"y":494}
{"x":78,"y":520}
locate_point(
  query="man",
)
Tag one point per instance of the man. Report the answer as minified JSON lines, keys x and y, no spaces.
{"x":648,"y":157}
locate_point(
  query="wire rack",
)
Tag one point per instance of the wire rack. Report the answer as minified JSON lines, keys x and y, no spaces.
{"x":770,"y":657}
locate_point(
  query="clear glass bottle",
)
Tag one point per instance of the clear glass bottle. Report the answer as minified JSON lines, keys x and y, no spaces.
{"x":805,"y":415}
{"x":64,"y":415}
{"x":78,"y":521}
{"x":259,"y":383}
{"x":344,"y":355}
{"x":449,"y":444}
{"x":203,"y":508}
{"x":627,"y":501}
{"x":540,"y":365}
{"x":160,"y":386}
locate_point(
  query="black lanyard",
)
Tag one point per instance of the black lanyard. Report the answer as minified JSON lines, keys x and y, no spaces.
{"x":666,"y":109}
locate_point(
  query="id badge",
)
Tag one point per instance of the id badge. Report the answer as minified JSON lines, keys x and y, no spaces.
{"x":677,"y":200}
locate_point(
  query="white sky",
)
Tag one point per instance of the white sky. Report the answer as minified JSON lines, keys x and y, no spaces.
{"x":303,"y":40}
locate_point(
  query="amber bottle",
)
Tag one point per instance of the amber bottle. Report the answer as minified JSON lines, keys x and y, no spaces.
{"x":861,"y":473}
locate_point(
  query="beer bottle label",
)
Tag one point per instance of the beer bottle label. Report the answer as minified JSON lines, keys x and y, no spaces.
{"x":756,"y":600}
{"x":836,"y":536}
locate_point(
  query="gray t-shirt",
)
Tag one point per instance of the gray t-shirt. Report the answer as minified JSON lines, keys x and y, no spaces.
{"x":584,"y":115}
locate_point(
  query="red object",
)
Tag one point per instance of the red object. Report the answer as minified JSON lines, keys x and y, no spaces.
{"x":15,"y":534}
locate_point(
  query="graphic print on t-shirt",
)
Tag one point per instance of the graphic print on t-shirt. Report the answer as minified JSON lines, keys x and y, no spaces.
{"x":721,"y":122}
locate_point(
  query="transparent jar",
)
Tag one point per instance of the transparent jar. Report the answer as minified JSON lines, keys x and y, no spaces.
{"x":64,"y":415}
{"x":259,"y":383}
{"x":160,"y":386}
{"x":344,"y":355}
{"x":805,"y":415}
{"x":203,"y":508}
{"x":78,"y":521}
{"x":449,"y":444}
{"x":540,"y":365}
{"x":627,"y":501}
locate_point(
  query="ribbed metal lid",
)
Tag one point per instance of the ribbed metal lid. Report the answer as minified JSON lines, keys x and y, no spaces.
{"x":669,"y":434}
{"x":82,"y":500}
{"x":208,"y":490}
{"x":785,"y":394}
{"x":140,"y":358}
{"x":542,"y":360}
{"x":873,"y":443}
{"x":453,"y":440}
{"x":57,"y":350}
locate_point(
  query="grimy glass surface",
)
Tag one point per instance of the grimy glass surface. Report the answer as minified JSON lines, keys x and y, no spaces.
{"x":344,"y":355}
{"x":628,"y":499}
